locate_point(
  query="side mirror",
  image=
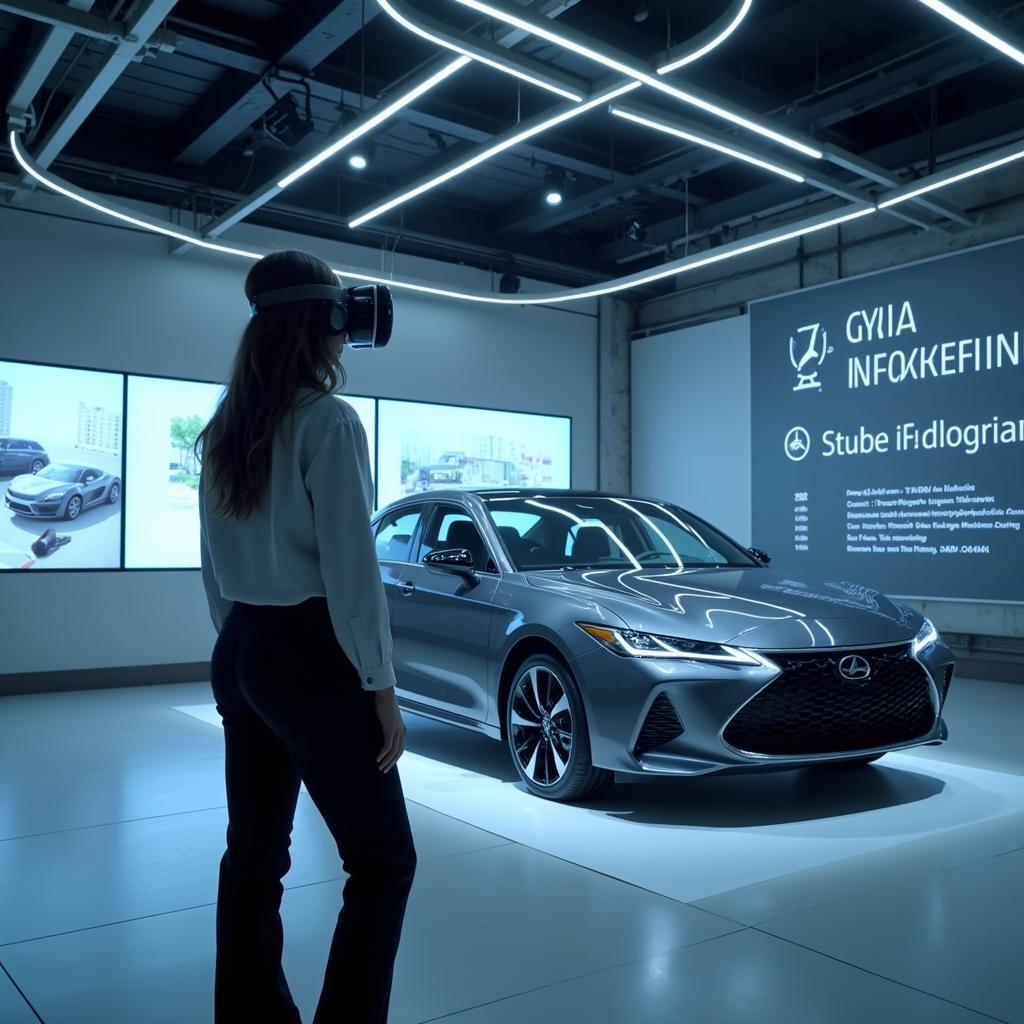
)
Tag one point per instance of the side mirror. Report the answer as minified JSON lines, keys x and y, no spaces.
{"x":456,"y":559}
{"x":762,"y":556}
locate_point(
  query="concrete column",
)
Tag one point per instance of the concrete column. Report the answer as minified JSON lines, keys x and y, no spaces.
{"x":614,"y":448}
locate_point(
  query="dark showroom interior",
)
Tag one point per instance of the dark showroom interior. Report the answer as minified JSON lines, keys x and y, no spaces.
{"x":512,"y":511}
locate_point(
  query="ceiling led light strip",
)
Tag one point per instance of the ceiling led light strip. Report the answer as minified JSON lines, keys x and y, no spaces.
{"x":639,"y":75}
{"x":969,"y":24}
{"x":485,"y":154}
{"x":710,"y":144}
{"x":680,"y":266}
{"x":715,"y":41}
{"x":979,"y":166}
{"x":474,"y":54}
{"x":378,"y":118}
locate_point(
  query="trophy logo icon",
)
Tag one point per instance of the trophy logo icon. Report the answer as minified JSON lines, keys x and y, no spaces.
{"x":807,"y":355}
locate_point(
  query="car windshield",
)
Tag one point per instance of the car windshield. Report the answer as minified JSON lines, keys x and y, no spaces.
{"x":65,"y":474}
{"x":562,"y":532}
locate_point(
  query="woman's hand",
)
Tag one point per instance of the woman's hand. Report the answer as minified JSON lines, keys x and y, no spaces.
{"x":390,"y":715}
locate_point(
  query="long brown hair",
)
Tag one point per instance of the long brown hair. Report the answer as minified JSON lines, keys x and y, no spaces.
{"x":282,"y":348}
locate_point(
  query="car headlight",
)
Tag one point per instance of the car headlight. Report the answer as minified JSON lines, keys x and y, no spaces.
{"x":56,"y":496}
{"x":926,"y":636}
{"x":628,"y":643}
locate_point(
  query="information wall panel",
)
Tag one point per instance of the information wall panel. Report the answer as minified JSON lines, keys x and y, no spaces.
{"x":164,"y":419}
{"x":60,"y":467}
{"x":888,"y":427}
{"x":426,"y":447}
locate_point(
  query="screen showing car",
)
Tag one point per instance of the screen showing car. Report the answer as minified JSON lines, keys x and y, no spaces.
{"x":165,"y":417}
{"x":60,"y":467}
{"x":424,"y":447}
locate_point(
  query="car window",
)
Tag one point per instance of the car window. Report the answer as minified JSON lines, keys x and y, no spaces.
{"x":521,"y":522}
{"x":394,"y":535}
{"x":451,"y":527}
{"x":89,"y":475}
{"x":570,"y":537}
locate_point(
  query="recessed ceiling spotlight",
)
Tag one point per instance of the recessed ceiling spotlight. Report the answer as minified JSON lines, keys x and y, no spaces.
{"x":358,"y":162}
{"x":640,"y":11}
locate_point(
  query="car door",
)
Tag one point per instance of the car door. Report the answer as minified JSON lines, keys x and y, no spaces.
{"x":92,"y":486}
{"x":5,"y":458}
{"x":394,"y":536}
{"x":441,"y":619}
{"x":18,"y":459}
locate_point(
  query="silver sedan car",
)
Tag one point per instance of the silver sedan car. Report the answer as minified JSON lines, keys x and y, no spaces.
{"x":597,"y":633}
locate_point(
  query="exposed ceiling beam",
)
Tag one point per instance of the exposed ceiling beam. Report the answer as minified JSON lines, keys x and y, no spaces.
{"x":73,"y":16}
{"x":263,"y":194}
{"x":957,"y":140}
{"x":235,"y":102}
{"x":871,"y":90}
{"x":48,"y":52}
{"x":144,"y":20}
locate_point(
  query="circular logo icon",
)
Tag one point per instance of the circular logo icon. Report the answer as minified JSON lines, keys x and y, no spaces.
{"x":855,"y":668}
{"x":797,"y":443}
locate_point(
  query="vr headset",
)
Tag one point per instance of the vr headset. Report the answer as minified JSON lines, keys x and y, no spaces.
{"x":365,"y":312}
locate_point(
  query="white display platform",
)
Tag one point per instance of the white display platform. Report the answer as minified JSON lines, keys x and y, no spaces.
{"x":690,"y":839}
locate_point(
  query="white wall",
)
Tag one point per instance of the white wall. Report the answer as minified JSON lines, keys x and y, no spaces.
{"x":691,"y":421}
{"x":92,"y":294}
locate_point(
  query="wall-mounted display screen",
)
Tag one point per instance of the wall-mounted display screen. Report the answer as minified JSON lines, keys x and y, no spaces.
{"x":162,"y":515}
{"x":430,"y":447}
{"x":164,"y":419}
{"x":60,"y":467}
{"x":888,"y":427}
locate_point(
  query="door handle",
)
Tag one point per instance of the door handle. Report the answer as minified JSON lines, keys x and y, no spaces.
{"x":406,"y":589}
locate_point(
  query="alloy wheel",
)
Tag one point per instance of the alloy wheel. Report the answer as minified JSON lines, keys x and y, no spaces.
{"x":74,"y":507}
{"x":542,"y":726}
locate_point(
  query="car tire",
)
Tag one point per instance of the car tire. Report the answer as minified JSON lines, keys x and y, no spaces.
{"x":552,"y":759}
{"x":37,"y":465}
{"x":114,"y":493}
{"x":74,"y":507}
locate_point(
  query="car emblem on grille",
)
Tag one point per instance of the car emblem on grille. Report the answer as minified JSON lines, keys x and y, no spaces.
{"x":855,"y":668}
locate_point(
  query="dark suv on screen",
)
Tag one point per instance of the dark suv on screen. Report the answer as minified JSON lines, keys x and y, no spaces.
{"x":20,"y":456}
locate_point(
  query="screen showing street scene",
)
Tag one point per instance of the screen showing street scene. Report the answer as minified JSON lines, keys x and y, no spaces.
{"x":60,"y":467}
{"x":164,"y":420}
{"x":432,"y":447}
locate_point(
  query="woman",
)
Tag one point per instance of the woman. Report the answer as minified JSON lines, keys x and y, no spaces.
{"x":301,"y":669}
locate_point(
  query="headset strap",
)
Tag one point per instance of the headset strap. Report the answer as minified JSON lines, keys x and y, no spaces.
{"x":297,"y":293}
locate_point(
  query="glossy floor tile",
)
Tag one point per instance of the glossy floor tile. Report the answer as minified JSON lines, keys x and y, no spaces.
{"x":745,"y":978}
{"x":55,"y":802}
{"x":64,"y":881}
{"x":92,"y":730}
{"x":958,"y":934}
{"x":480,"y":926}
{"x":13,"y":1008}
{"x":802,"y":890}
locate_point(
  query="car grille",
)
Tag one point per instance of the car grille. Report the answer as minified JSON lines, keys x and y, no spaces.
{"x":19,"y":506}
{"x":661,"y":726}
{"x":811,"y":709}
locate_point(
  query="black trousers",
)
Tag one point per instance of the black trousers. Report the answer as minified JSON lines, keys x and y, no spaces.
{"x":293,"y":709}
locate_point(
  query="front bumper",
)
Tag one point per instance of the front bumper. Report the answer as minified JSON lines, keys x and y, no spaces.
{"x":632,"y":704}
{"x":35,"y":509}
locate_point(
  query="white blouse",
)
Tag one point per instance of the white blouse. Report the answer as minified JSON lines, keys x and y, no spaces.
{"x":310,"y":535}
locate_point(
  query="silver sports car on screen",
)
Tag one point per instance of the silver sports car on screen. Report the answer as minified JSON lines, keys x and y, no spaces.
{"x":61,"y":491}
{"x":596,"y":633}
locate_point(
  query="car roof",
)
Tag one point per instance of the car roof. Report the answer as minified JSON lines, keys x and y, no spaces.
{"x":483,"y":493}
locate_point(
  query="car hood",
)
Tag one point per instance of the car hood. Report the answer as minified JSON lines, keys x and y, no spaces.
{"x":30,"y":485}
{"x":754,"y":607}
